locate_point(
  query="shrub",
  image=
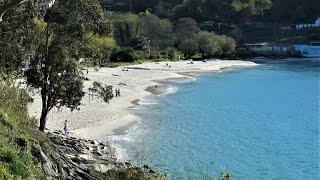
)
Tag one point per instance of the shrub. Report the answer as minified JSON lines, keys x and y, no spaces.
{"x":189,"y":47}
{"x":16,"y":142}
{"x":122,"y":55}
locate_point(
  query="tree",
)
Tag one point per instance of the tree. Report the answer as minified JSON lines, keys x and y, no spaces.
{"x":158,"y":31}
{"x":126,"y":27}
{"x":6,"y":5}
{"x":212,"y":44}
{"x":228,"y":46}
{"x":66,"y":29}
{"x":189,"y":47}
{"x":105,"y":92}
{"x":205,"y":39}
{"x":16,"y":36}
{"x":100,"y":48}
{"x":186,"y":28}
{"x":294,"y":11}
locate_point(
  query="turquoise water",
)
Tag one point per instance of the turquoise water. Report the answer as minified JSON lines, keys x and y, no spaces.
{"x":258,"y":123}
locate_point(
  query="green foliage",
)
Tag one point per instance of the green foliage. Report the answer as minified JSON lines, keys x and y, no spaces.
{"x":126,"y":27}
{"x":174,"y":54}
{"x":129,"y":173}
{"x":122,"y":55}
{"x":206,"y":43}
{"x":148,"y":28}
{"x":63,"y":85}
{"x":189,"y":47}
{"x":186,"y":28}
{"x":16,"y":143}
{"x":229,"y":45}
{"x":16,"y":31}
{"x":294,"y":11}
{"x":106,"y":92}
{"x":212,"y":44}
{"x":100,"y":48}
{"x":62,"y":40}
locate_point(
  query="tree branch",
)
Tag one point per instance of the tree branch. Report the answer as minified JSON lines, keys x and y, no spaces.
{"x":12,"y":4}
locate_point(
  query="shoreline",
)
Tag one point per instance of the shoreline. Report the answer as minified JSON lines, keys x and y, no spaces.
{"x":98,"y":120}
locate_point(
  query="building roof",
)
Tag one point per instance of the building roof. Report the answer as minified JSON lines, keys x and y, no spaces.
{"x":255,"y":44}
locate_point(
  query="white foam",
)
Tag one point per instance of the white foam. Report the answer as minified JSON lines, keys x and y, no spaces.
{"x":170,"y":90}
{"x":118,"y":142}
{"x":148,"y":101}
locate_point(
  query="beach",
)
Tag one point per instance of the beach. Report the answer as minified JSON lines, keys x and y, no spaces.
{"x":97,"y":120}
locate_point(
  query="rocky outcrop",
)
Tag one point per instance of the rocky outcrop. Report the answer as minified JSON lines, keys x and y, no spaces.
{"x":65,"y":157}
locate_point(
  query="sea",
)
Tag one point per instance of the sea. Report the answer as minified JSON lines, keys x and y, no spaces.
{"x":254,"y":123}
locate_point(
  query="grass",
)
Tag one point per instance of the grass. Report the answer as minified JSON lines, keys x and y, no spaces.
{"x":17,"y":143}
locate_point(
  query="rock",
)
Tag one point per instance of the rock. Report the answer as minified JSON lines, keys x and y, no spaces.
{"x":94,"y":142}
{"x":102,"y":167}
{"x":49,"y":168}
{"x":72,"y":158}
{"x":152,"y":171}
{"x":89,"y":148}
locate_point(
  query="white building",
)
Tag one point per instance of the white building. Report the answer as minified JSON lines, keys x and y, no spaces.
{"x":318,"y":22}
{"x":305,"y":26}
{"x":310,"y":51}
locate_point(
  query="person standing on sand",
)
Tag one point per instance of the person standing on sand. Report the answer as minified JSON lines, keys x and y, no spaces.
{"x":65,"y":128}
{"x":117,"y":92}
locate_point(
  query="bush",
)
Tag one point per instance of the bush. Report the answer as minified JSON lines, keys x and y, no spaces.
{"x":122,"y":55}
{"x":175,"y":55}
{"x":189,"y":47}
{"x":140,"y":55}
{"x":16,"y":142}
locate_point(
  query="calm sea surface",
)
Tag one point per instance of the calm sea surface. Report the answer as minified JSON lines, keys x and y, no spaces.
{"x":258,"y":123}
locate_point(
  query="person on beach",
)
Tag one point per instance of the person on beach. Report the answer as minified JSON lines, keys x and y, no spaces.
{"x":117,"y":92}
{"x":66,"y":128}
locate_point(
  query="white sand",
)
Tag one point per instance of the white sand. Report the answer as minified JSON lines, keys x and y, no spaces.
{"x":97,"y":119}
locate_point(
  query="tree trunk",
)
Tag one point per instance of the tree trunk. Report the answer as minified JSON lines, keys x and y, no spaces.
{"x":43,"y":119}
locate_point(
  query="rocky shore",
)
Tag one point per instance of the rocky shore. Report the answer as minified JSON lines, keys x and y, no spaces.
{"x":65,"y":157}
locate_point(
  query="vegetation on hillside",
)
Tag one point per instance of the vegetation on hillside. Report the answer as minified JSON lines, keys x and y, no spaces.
{"x":231,"y":11}
{"x":17,"y":142}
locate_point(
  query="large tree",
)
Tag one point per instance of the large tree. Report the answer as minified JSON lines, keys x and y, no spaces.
{"x":6,"y":5}
{"x":186,"y":28}
{"x":16,"y":36}
{"x":189,"y":47}
{"x":211,"y":44}
{"x":63,"y":35}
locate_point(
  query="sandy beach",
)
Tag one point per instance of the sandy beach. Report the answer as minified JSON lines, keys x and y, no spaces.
{"x":96,"y":119}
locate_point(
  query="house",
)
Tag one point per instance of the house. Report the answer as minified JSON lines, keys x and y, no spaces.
{"x":317,"y":23}
{"x":281,"y":49}
{"x":259,"y":48}
{"x":306,"y":26}
{"x":309,"y":50}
